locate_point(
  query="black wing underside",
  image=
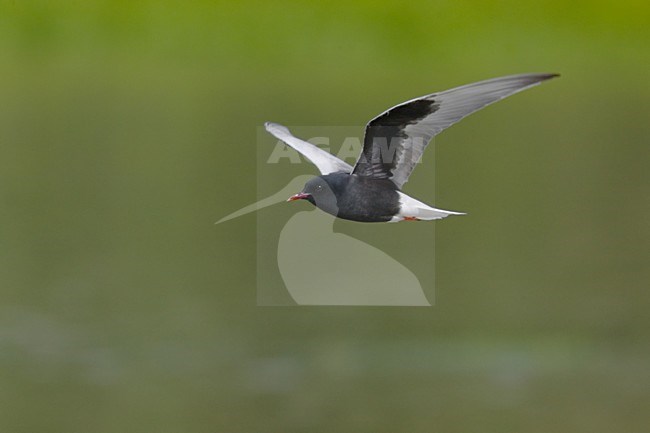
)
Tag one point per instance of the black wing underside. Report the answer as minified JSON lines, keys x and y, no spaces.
{"x":395,"y":140}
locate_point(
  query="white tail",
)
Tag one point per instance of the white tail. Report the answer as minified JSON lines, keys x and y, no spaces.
{"x":412,"y":209}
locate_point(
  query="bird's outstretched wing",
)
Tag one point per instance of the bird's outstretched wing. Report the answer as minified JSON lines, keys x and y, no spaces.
{"x":324,"y":161}
{"x":395,"y":140}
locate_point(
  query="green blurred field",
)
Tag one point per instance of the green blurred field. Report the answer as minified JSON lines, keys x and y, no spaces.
{"x":128,"y":128}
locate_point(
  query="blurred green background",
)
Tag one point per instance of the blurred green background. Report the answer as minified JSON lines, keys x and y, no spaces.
{"x":128,"y":128}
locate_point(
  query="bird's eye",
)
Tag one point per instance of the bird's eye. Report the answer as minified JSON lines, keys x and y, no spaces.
{"x":319,"y":187}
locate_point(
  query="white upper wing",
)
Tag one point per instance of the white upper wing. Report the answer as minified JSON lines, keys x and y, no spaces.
{"x":324,"y":161}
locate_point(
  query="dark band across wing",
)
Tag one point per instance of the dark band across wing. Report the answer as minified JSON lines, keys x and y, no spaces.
{"x":395,"y":140}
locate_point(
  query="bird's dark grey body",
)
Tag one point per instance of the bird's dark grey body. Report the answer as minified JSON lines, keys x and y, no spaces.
{"x":353,"y":197}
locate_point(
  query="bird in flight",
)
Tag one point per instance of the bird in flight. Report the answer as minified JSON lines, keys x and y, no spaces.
{"x":394,"y":142}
